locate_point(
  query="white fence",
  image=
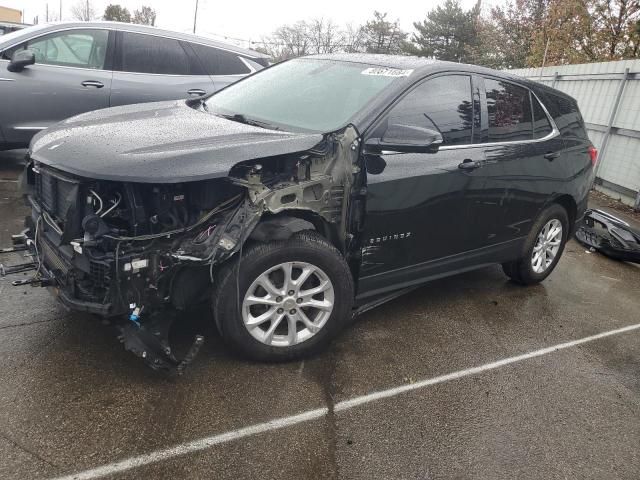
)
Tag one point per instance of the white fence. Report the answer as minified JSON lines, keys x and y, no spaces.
{"x":608,"y":94}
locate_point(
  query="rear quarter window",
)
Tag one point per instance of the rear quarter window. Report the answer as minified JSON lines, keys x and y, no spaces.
{"x":567,"y":116}
{"x":541,"y":125}
{"x":220,"y":62}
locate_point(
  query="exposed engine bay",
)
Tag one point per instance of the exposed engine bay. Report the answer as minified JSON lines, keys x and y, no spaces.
{"x":135,"y":251}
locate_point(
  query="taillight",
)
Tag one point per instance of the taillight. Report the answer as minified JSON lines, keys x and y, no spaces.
{"x":593,"y":153}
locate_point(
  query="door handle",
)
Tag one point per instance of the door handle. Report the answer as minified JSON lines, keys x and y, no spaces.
{"x":551,"y":156}
{"x":468,"y":164}
{"x":92,"y":83}
{"x":196,"y":91}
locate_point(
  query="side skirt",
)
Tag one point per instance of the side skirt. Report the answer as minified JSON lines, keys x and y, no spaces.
{"x":411,"y":276}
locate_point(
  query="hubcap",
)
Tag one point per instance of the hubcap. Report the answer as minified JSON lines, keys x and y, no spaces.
{"x":288,"y":304}
{"x":547,"y":246}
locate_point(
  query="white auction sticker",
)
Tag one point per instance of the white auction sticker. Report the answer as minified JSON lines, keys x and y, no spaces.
{"x":386,"y":72}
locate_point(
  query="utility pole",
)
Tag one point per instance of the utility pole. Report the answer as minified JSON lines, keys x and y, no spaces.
{"x":195,"y":18}
{"x":544,"y":58}
{"x":60,"y":13}
{"x":47,"y":12}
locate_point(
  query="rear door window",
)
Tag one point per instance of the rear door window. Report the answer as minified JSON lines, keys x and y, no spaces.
{"x":220,"y":62}
{"x":442,"y":104}
{"x":508,"y":111}
{"x":70,"y":48}
{"x":140,"y":53}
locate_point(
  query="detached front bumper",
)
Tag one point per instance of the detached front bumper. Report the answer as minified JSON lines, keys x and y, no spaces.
{"x":609,"y":235}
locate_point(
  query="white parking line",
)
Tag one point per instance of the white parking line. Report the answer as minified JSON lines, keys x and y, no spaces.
{"x":208,"y":442}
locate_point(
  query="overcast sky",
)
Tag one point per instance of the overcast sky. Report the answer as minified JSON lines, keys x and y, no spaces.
{"x":247,"y":19}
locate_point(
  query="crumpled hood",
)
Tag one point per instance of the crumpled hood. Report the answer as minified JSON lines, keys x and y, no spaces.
{"x":163,"y":142}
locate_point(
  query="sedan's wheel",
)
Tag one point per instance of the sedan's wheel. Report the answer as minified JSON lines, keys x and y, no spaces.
{"x":542,"y":248}
{"x":547,"y":246}
{"x":288,"y":304}
{"x":286,"y":300}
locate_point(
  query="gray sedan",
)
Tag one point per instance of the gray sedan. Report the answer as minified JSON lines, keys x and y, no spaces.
{"x":52,"y":72}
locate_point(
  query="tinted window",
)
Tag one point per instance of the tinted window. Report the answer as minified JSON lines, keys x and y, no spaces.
{"x":151,"y":54}
{"x":220,"y":62}
{"x":509,"y":111}
{"x":567,"y":116}
{"x":442,"y":104}
{"x":71,"y":48}
{"x":541,"y":125}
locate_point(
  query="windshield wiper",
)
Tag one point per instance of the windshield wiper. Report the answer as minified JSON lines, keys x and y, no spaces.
{"x":239,"y":117}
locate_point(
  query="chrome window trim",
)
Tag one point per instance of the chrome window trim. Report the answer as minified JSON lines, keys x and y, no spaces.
{"x":554,"y":132}
{"x":29,"y":128}
{"x":121,"y":72}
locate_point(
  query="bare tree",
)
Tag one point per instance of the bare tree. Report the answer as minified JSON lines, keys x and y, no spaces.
{"x":288,"y":41}
{"x":324,"y":36}
{"x":354,"y":38}
{"x":83,"y":10}
{"x":314,"y":36}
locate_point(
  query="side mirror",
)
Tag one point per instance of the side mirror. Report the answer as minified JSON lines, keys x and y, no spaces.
{"x":375,"y":164}
{"x":21,"y":59}
{"x":410,"y":138}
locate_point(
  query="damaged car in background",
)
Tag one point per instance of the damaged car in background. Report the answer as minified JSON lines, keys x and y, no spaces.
{"x":301,"y":196}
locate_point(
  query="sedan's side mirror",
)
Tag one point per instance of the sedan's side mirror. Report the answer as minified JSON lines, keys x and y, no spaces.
{"x":410,"y":138}
{"x":21,"y":59}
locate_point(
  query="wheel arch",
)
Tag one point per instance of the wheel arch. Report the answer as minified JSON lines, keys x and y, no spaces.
{"x":569,"y":204}
{"x":283,"y":225}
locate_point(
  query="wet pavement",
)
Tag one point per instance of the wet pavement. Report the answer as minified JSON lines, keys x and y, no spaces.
{"x":72,"y":399}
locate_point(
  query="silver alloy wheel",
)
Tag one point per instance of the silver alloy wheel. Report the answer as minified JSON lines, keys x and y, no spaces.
{"x":547,"y":246}
{"x":288,"y":304}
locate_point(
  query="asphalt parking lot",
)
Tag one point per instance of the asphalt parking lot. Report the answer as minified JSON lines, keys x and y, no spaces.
{"x":467,"y":377}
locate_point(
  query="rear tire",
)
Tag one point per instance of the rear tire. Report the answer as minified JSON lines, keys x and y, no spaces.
{"x":542,"y":249}
{"x":269,"y":312}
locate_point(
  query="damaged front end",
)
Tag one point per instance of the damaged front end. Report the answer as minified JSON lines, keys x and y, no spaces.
{"x":610,"y":235}
{"x":139,"y":251}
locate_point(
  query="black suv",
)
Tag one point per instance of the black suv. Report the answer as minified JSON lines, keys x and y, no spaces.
{"x":301,"y":195}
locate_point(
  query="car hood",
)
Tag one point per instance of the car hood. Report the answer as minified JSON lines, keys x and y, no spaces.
{"x":164,"y":142}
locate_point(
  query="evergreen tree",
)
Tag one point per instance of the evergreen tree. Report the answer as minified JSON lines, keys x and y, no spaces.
{"x":448,"y":33}
{"x":116,"y":13}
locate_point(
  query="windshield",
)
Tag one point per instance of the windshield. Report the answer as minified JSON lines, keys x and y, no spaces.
{"x":303,"y":94}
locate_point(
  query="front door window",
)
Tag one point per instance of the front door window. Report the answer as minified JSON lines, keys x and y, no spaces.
{"x":71,"y":48}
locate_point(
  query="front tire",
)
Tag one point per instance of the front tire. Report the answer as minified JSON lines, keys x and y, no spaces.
{"x":290,"y":299}
{"x":542,"y":248}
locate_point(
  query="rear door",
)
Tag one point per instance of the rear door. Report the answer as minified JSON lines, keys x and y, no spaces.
{"x":522,"y":167}
{"x":224,"y":66}
{"x":150,"y":68}
{"x":71,"y":76}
